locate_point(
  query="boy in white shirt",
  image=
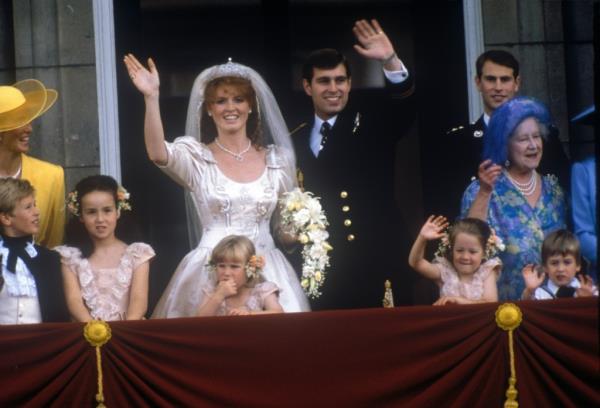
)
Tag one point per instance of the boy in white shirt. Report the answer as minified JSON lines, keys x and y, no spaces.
{"x":31,"y":289}
{"x":561,"y":261}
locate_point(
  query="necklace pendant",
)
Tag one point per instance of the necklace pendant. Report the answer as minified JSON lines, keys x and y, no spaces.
{"x":239,"y":157}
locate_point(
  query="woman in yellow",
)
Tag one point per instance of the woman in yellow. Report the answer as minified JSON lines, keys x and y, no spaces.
{"x":20,"y":104}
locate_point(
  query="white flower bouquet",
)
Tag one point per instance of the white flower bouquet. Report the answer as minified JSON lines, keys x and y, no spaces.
{"x":303,"y":216}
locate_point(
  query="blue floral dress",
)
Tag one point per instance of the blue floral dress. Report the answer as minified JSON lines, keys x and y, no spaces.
{"x":521,"y":227}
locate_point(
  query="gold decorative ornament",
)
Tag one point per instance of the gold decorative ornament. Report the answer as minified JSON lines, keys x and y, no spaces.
{"x":347,"y":222}
{"x":345,"y":208}
{"x":344,"y":194}
{"x":508,"y":318}
{"x":98,"y":333}
{"x":350,"y":237}
{"x":388,"y":296}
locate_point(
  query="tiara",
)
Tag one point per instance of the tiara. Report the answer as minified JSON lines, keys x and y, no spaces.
{"x":230,"y":68}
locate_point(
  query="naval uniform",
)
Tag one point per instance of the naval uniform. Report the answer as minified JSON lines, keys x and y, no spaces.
{"x":353,"y":174}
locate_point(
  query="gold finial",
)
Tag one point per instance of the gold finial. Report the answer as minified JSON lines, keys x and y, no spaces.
{"x":98,"y":333}
{"x":388,"y":296}
{"x":508,"y":318}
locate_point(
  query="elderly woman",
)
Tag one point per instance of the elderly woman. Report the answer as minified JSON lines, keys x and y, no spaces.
{"x":521,"y":205}
{"x":20,"y":104}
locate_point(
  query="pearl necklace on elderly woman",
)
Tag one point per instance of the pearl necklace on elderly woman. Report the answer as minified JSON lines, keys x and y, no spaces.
{"x":527,"y":188}
{"x":238,"y":156}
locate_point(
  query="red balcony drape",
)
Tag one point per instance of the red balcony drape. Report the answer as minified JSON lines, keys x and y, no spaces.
{"x":452,"y":356}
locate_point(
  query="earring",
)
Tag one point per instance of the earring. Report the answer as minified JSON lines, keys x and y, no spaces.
{"x":209,"y":114}
{"x":507,"y":163}
{"x":250,"y":112}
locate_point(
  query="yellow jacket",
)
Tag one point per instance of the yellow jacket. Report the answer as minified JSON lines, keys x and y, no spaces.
{"x":49,"y":182}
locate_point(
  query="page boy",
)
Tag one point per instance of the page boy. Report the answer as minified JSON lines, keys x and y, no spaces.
{"x":31,"y":288}
{"x":561,"y":261}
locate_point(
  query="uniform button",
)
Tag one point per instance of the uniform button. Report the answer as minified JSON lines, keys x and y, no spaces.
{"x":350,"y":237}
{"x":344,"y":194}
{"x":347,"y":223}
{"x":346,"y":208}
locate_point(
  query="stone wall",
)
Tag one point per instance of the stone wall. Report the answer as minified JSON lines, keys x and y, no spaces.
{"x":53,"y":41}
{"x":552,"y":40}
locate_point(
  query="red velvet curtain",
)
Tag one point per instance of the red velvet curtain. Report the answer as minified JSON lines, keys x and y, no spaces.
{"x":452,"y":356}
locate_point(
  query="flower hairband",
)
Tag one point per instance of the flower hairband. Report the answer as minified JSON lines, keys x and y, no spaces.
{"x":122,"y":201}
{"x":253,"y":267}
{"x":493,"y":245}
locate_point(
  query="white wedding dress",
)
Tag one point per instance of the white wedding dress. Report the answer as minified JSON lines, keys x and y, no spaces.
{"x":227,"y":207}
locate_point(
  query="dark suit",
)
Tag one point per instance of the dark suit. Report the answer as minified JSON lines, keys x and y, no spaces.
{"x":354,"y":176}
{"x":457,"y":161}
{"x":46,"y":270}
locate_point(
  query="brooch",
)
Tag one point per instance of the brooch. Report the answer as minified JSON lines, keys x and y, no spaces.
{"x":356,"y":123}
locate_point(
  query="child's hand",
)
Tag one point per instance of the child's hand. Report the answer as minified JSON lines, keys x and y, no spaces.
{"x":238,"y":311}
{"x":226,"y":288}
{"x":587,"y":286}
{"x":533,"y":279}
{"x":434,"y":227}
{"x":451,"y":300}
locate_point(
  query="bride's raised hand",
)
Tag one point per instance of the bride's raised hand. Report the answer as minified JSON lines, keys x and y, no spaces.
{"x":145,"y":79}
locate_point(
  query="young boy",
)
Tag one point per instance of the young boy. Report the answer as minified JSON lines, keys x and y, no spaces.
{"x":561,"y":261}
{"x":31,"y":289}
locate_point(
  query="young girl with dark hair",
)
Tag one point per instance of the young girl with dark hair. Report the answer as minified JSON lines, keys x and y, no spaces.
{"x":104,"y":278}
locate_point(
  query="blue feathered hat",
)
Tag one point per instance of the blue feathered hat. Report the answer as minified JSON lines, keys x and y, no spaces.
{"x":504,"y":122}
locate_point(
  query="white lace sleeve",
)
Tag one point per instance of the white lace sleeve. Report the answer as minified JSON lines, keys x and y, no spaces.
{"x":140,"y":252}
{"x":69,"y":256}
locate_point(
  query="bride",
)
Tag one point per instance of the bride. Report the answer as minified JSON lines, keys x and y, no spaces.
{"x":236,"y":162}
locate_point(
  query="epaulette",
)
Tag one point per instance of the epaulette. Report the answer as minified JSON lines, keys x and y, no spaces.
{"x":455,"y":129}
{"x":300,"y":126}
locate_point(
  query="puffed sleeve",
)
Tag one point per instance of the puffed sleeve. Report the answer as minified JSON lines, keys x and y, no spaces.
{"x":70,"y":257}
{"x":266,"y":289}
{"x":140,"y":253}
{"x":187,"y":161}
{"x":493,"y":265}
{"x":447,"y":273}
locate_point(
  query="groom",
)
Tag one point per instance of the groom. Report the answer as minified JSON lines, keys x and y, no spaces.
{"x":346,"y":156}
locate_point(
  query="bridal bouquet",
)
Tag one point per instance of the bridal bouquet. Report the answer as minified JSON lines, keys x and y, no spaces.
{"x":303,"y":216}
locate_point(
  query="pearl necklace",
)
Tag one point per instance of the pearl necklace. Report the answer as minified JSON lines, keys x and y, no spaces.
{"x":238,"y":156}
{"x":16,"y":175}
{"x":527,"y":188}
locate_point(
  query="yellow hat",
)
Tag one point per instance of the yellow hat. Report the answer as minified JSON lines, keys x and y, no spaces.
{"x":23,"y":102}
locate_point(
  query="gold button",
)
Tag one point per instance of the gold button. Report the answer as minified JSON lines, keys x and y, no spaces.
{"x":344,"y":194}
{"x":346,"y":208}
{"x":347,"y":223}
{"x":350,"y":237}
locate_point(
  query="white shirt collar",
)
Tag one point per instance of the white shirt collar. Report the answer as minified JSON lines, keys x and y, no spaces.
{"x":554,"y":287}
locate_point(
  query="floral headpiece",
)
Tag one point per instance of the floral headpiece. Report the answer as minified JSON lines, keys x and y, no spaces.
{"x":253,"y":267}
{"x":122,"y":201}
{"x":493,"y":245}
